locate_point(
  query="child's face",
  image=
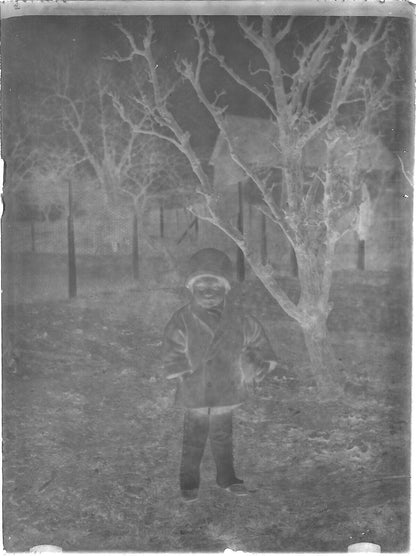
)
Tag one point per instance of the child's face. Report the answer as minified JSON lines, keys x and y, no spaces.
{"x":208,"y":291}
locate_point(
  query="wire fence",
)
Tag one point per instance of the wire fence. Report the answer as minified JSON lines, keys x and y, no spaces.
{"x":387,"y":242}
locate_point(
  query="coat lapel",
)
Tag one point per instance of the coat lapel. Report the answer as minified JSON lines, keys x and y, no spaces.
{"x":223,"y":331}
{"x":210,"y":321}
{"x":226,"y":329}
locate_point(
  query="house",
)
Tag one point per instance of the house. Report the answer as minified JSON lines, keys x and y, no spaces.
{"x":255,"y":140}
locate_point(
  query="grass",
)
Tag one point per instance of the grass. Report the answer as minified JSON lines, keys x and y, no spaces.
{"x":92,"y":440}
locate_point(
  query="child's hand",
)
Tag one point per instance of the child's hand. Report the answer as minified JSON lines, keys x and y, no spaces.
{"x":266,"y":368}
{"x":280,"y":372}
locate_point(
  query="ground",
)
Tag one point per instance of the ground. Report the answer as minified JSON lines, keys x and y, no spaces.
{"x":92,"y":440}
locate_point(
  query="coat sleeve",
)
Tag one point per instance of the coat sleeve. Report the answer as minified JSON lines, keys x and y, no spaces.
{"x":256,"y":344}
{"x":175,"y":353}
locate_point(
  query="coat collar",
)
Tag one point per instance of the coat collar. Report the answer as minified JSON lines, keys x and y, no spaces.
{"x":211,"y":319}
{"x":218,"y":327}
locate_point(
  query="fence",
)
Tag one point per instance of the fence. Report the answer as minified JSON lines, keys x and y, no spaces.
{"x":388,"y":242}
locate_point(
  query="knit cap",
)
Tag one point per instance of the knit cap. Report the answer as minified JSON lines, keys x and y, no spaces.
{"x":209,"y":262}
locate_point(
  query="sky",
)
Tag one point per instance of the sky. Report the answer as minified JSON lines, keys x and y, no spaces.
{"x":27,"y":42}
{"x":87,"y":39}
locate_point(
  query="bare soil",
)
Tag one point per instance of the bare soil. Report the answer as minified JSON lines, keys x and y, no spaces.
{"x":92,"y":441}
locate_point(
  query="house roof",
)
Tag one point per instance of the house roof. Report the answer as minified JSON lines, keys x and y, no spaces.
{"x":255,"y":140}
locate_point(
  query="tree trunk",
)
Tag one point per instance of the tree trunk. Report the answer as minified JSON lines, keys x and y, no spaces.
{"x":135,"y":247}
{"x":72,"y":270}
{"x":263,"y":247}
{"x":323,"y":364}
{"x":314,"y":269}
{"x":241,"y":271}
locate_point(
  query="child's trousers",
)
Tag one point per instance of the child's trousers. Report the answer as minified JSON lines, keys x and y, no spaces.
{"x":198,"y":425}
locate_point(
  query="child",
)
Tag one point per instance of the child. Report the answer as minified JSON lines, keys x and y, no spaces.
{"x":215,"y":351}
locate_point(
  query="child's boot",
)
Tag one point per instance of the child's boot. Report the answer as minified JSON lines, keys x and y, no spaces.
{"x":238,"y":488}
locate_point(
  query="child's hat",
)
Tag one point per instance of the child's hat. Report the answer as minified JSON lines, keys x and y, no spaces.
{"x":209,"y":262}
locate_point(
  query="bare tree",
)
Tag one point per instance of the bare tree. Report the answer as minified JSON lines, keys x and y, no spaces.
{"x":90,"y":129}
{"x":20,"y":155}
{"x":36,"y":174}
{"x":158,"y":174}
{"x":47,"y":188}
{"x":90,"y":125}
{"x":318,"y":207}
{"x":129,"y":168}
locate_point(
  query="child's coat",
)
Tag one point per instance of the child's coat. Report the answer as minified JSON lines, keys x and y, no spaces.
{"x":212,"y":356}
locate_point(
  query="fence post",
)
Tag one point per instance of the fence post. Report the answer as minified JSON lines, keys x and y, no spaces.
{"x":162,"y":219}
{"x":33,"y":235}
{"x":72,"y":269}
{"x":361,"y":254}
{"x":135,"y":247}
{"x":241,"y":270}
{"x":250,"y":218}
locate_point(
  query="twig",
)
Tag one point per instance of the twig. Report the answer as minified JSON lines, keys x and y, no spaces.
{"x":405,"y":174}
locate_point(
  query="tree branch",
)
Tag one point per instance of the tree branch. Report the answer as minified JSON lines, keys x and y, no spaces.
{"x":237,"y":78}
{"x":266,"y":46}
